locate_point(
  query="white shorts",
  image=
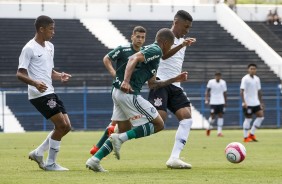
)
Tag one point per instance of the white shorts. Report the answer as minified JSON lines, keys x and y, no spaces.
{"x":133,"y":108}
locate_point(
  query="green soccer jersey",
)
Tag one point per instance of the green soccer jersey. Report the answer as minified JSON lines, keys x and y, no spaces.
{"x":144,"y":70}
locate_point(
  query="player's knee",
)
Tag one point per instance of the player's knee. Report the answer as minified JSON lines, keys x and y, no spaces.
{"x":258,"y":122}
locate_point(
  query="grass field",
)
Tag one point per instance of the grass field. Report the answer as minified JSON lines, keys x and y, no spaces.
{"x":143,"y":160}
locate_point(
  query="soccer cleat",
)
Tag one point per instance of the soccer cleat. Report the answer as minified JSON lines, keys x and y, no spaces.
{"x":219,"y":135}
{"x":55,"y":167}
{"x":38,"y":159}
{"x":116,"y":142}
{"x":176,"y":163}
{"x":247,"y":139}
{"x":253,"y":137}
{"x":94,"y":164}
{"x":208,"y":132}
{"x":93,"y":150}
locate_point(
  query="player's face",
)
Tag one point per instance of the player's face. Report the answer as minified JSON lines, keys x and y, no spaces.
{"x":138,"y":39}
{"x":252,"y":70}
{"x":48,"y":32}
{"x":182,"y":27}
{"x":217,"y":77}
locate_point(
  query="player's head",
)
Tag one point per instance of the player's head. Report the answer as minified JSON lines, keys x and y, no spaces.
{"x":165,"y":39}
{"x":182,"y":23}
{"x":45,"y":27}
{"x":217,"y":75}
{"x":252,"y":69}
{"x":138,"y":36}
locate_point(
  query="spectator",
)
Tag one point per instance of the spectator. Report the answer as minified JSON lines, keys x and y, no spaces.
{"x":232,"y":4}
{"x":270,"y":18}
{"x":276,"y":18}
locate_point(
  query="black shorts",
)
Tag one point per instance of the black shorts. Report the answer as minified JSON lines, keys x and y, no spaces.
{"x":48,"y":105}
{"x":169,"y":97}
{"x":216,"y":109}
{"x":251,"y":110}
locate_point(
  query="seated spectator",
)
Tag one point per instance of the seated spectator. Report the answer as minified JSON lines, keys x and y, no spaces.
{"x":276,"y":18}
{"x":270,"y":18}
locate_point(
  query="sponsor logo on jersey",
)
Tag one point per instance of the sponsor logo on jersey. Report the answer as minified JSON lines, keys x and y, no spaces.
{"x":128,"y":49}
{"x":158,"y":102}
{"x":52,"y":103}
{"x":153,"y":57}
{"x":40,"y":55}
{"x":136,"y":117}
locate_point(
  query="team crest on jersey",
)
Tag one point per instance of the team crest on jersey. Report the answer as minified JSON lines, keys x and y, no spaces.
{"x":158,"y":102}
{"x":52,"y":103}
{"x":153,"y":110}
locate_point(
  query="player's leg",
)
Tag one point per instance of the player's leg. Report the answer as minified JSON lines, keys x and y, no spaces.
{"x":247,"y":123}
{"x":108,"y":131}
{"x":220,"y":120}
{"x":257,"y":123}
{"x":179,"y":104}
{"x":143,"y":116}
{"x":62,"y":127}
{"x":211,"y":120}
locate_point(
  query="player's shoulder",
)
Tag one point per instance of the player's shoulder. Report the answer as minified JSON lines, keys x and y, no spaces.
{"x":29,"y":46}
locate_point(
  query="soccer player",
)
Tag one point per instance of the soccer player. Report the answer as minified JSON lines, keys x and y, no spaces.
{"x":36,"y":69}
{"x":172,"y":97}
{"x":129,"y":104}
{"x":252,"y":102}
{"x":120,"y":56}
{"x":216,"y":91}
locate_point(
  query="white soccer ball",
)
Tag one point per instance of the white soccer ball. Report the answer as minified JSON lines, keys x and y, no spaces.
{"x":235,"y":152}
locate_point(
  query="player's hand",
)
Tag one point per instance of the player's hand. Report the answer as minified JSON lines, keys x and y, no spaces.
{"x":125,"y":87}
{"x":41,"y":86}
{"x":262,"y":106}
{"x":188,"y":41}
{"x":182,"y":77}
{"x":206,"y":102}
{"x":245,"y":106}
{"x":65,"y":77}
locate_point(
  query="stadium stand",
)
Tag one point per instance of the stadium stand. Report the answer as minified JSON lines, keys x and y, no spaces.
{"x":77,"y":51}
{"x":271,"y":34}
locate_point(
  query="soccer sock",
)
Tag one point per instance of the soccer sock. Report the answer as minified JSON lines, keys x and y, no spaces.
{"x":181,"y":137}
{"x":246,"y":126}
{"x":44,"y":146}
{"x":219,"y":125}
{"x":137,"y":132}
{"x":53,"y":151}
{"x":211,"y":121}
{"x":256,"y":124}
{"x":104,"y":150}
{"x":104,"y":137}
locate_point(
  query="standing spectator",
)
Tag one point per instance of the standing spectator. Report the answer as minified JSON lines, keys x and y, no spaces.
{"x":270,"y":18}
{"x":276,"y":18}
{"x":216,"y":91}
{"x":252,"y":102}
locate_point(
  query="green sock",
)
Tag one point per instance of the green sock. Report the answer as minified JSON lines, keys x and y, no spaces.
{"x":140,"y":131}
{"x":104,"y":150}
{"x":103,"y":139}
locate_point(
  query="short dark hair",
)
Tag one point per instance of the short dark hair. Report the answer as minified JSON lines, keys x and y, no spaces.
{"x":165,"y":34}
{"x":139,"y":29}
{"x":218,"y":73}
{"x":43,"y":21}
{"x":252,"y":64}
{"x":182,"y":14}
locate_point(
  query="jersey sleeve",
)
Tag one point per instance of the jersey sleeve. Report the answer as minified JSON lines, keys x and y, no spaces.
{"x":151,"y":54}
{"x":224,"y":86}
{"x":259,"y":84}
{"x":115,"y":54}
{"x":209,"y":84}
{"x":25,"y":57}
{"x":243,"y":85}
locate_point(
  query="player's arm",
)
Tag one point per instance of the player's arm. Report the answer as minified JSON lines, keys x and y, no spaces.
{"x":109,"y":66}
{"x":225,"y":98}
{"x":153,"y":83}
{"x":186,"y":42}
{"x":63,"y":77}
{"x":260,"y":98}
{"x":243,"y":98}
{"x":131,"y":64}
{"x":207,"y":95}
{"x":22,"y":75}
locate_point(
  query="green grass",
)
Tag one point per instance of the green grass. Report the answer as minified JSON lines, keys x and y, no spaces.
{"x":143,"y":160}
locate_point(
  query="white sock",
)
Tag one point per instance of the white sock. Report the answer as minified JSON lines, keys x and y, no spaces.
{"x":181,"y":137}
{"x":44,"y":146}
{"x":219,"y":125}
{"x":256,"y":124}
{"x":53,"y":151}
{"x":211,"y":121}
{"x":246,"y":126}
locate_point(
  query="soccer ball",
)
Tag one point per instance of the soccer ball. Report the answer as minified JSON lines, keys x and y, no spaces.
{"x":235,"y":152}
